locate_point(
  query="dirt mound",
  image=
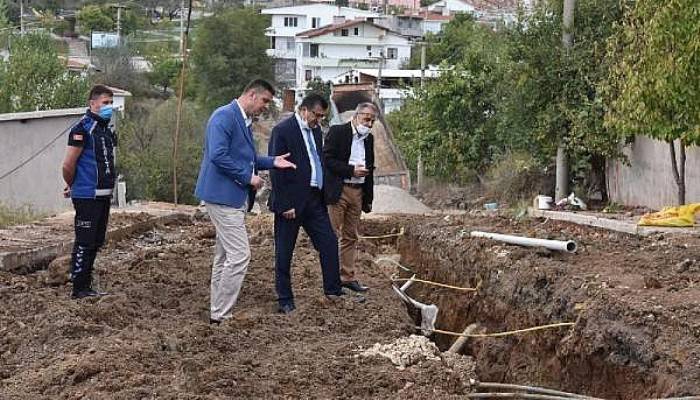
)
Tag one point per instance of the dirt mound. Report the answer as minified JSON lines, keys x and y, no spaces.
{"x":150,"y":337}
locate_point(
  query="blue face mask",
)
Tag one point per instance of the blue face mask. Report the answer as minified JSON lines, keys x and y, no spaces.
{"x":106,"y":111}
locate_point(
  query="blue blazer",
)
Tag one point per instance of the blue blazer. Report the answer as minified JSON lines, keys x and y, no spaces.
{"x":291,"y":187}
{"x":229,"y":160}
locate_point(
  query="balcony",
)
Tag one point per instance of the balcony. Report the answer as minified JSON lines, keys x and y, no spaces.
{"x":280,"y":53}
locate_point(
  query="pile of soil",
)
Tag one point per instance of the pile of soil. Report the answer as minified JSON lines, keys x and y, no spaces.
{"x":150,"y":338}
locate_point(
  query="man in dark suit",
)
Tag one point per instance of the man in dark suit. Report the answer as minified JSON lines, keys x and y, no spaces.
{"x":297,"y":199}
{"x":349,"y":185}
{"x":227,"y":181}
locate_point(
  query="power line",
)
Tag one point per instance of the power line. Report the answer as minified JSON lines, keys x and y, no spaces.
{"x":35,"y":155}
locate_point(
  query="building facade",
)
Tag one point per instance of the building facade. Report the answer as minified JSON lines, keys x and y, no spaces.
{"x":327,"y":52}
{"x":287,"y":22}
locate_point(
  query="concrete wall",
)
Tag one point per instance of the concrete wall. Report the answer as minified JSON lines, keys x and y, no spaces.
{"x":39,"y":183}
{"x":648,"y":180}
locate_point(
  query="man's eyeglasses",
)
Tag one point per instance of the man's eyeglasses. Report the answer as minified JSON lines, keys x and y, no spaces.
{"x":367,"y":117}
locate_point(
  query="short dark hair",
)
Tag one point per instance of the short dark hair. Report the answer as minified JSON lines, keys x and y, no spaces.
{"x":312,"y":100}
{"x":99,"y":90}
{"x":259,"y":85}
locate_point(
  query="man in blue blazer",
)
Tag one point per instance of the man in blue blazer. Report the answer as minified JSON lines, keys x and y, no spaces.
{"x":228,"y":179}
{"x":297,"y":199}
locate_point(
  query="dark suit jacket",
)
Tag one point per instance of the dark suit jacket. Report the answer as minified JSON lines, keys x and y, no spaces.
{"x":291,"y":187}
{"x":336,"y":155}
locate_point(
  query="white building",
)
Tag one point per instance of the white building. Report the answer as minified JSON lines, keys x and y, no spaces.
{"x":332,"y":50}
{"x":448,"y":7}
{"x":287,"y":22}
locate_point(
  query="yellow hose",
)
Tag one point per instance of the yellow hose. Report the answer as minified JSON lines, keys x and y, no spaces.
{"x":507,"y":333}
{"x":466,"y":289}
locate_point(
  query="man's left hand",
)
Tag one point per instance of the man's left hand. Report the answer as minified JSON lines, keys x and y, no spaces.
{"x":281,"y":162}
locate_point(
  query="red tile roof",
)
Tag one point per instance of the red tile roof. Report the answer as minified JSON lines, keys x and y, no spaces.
{"x":342,"y":25}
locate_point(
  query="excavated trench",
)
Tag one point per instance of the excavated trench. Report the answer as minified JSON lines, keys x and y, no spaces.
{"x":626,"y":344}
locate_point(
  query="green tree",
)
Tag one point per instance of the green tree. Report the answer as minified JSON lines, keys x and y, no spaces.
{"x":35,"y":79}
{"x":164,"y":69}
{"x":653,"y":84}
{"x":5,"y":25}
{"x":550,"y":94}
{"x":451,"y":123}
{"x":94,"y":18}
{"x":229,"y":51}
{"x":146,"y":139}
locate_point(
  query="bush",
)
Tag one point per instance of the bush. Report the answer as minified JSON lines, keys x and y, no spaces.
{"x":517,"y":177}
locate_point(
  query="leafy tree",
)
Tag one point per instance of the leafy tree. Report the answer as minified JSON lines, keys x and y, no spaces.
{"x":94,"y":18}
{"x":552,"y":94}
{"x":35,"y":79}
{"x":229,"y":51}
{"x":654,"y":85}
{"x":5,"y":25}
{"x":164,"y":69}
{"x":147,"y":145}
{"x":451,"y":123}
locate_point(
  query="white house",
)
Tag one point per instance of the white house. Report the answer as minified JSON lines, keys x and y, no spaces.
{"x":287,"y":22}
{"x":334,"y":49}
{"x":447,"y":7}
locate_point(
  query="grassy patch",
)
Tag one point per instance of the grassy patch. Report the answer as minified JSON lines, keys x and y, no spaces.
{"x":17,"y":215}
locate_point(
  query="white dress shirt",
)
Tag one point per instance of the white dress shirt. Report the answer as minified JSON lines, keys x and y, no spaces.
{"x":305,"y":133}
{"x":357,"y":154}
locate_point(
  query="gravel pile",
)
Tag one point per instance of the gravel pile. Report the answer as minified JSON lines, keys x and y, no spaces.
{"x":405,"y":351}
{"x":393,"y":200}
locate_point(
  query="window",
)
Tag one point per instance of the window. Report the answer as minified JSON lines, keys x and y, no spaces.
{"x":315,"y":22}
{"x":308,"y":75}
{"x":392,"y":53}
{"x":369,"y":51}
{"x":357,"y":31}
{"x":313,"y":50}
{"x":290,"y":44}
{"x":344,"y":32}
{"x":291,"y":21}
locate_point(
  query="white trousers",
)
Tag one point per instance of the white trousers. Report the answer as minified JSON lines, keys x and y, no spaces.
{"x":231,"y":258}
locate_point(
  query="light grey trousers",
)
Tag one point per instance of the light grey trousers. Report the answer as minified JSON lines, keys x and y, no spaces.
{"x":231,"y":258}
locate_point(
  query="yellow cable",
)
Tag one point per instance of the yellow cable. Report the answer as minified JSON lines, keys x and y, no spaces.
{"x":498,"y":334}
{"x":390,"y":235}
{"x":466,"y":289}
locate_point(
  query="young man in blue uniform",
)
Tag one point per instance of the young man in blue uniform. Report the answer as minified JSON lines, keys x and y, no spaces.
{"x":88,"y":170}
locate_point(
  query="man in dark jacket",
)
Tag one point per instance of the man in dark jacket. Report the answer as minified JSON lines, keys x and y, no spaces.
{"x":349,"y":163}
{"x":297,"y":200}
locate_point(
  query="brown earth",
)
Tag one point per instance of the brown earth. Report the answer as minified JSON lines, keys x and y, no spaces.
{"x":150,"y":338}
{"x":635,"y":301}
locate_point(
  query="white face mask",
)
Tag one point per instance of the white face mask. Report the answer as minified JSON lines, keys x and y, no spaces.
{"x":362,"y":130}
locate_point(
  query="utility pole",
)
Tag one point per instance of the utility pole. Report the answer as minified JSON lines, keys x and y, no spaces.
{"x":422,"y":65}
{"x":182,"y":26}
{"x":21,"y":16}
{"x":562,"y":172}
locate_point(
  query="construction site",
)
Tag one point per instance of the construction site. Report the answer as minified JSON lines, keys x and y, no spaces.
{"x":616,"y":319}
{"x":568,"y":306}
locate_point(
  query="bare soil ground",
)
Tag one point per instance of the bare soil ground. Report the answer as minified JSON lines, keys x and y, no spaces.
{"x":150,"y":338}
{"x":635,"y":301}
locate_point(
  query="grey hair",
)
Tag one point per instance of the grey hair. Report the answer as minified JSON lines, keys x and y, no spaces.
{"x":363,"y":106}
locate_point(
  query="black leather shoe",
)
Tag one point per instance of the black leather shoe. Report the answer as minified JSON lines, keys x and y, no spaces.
{"x":214,"y":321}
{"x":285,"y":308}
{"x":86,"y":293}
{"x":355,"y":286}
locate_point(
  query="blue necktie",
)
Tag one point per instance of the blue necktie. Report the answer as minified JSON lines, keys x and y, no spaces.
{"x":317,"y":161}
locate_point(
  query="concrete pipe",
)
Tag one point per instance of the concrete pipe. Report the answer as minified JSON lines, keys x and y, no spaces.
{"x":559,"y":245}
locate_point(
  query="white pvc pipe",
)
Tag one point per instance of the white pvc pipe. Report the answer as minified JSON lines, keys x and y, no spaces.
{"x":559,"y":245}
